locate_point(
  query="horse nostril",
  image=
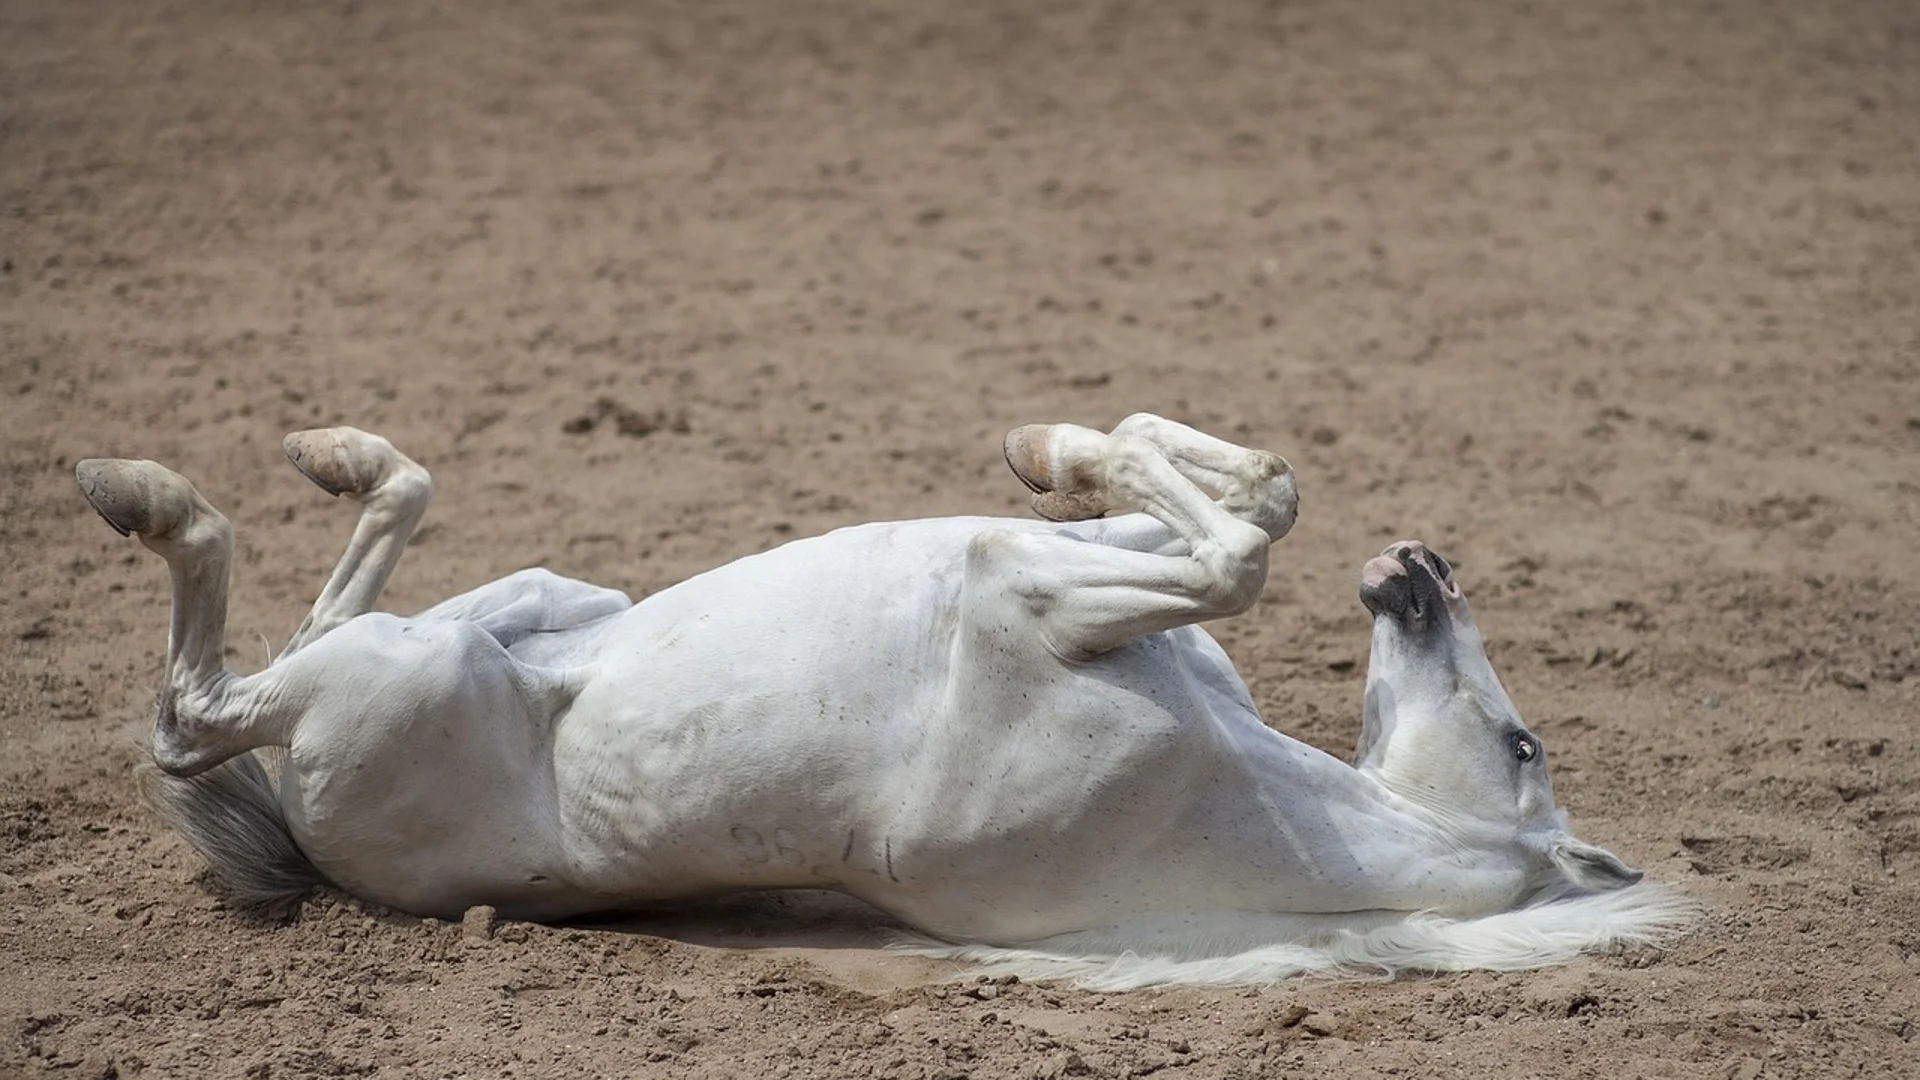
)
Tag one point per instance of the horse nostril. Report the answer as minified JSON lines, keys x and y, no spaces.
{"x":1440,"y":564}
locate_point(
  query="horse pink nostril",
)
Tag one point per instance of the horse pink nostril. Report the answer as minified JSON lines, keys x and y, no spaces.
{"x":1378,"y":569}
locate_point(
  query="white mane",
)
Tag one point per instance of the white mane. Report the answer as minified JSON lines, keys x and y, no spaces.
{"x":1261,"y":949}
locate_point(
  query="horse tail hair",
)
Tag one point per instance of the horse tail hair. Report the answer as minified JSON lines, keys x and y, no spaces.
{"x":231,"y":816}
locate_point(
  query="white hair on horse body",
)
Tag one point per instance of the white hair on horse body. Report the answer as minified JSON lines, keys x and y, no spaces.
{"x":1267,"y":949}
{"x":1007,"y":734}
{"x":230,"y":815}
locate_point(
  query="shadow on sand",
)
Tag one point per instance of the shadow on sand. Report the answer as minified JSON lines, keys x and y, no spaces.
{"x":844,"y":938}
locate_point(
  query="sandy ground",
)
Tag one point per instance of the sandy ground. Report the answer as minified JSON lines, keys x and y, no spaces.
{"x":1612,"y":302}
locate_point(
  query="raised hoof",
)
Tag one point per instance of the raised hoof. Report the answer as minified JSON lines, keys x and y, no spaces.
{"x":341,"y":460}
{"x":141,"y":497}
{"x":1026,"y":451}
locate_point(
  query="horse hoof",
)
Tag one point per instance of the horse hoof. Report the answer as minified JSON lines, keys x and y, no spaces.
{"x":141,"y":497}
{"x":340,"y":460}
{"x":1026,"y":451}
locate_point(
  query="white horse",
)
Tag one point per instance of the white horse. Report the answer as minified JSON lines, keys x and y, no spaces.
{"x":1010,"y":735}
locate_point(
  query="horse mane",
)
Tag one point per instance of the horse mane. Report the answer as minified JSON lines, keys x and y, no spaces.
{"x":1242,"y":950}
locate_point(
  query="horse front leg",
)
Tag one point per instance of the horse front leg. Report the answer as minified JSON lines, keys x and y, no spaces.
{"x":1253,"y":485}
{"x":1091,"y":596}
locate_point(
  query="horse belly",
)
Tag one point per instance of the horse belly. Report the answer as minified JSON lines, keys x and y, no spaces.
{"x":739,"y":729}
{"x":819,"y":716}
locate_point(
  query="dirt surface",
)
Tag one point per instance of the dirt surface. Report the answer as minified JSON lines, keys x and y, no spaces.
{"x":1612,"y":302}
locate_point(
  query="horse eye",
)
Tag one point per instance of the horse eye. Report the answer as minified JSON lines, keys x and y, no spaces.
{"x":1524,"y":748}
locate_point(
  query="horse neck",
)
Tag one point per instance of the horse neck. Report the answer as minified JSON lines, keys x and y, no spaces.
{"x":1382,"y":849}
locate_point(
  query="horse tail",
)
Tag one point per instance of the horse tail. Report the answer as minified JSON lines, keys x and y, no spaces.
{"x":231,"y":816}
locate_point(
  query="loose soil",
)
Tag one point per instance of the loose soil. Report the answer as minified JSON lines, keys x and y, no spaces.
{"x":1612,"y":302}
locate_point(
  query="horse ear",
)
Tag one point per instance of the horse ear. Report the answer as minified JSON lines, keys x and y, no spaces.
{"x":1591,"y":868}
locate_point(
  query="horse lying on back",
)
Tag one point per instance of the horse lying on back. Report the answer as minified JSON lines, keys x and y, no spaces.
{"x":1010,"y":735}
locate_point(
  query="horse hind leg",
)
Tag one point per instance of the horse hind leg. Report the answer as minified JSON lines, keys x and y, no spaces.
{"x":156,"y":504}
{"x":193,"y":729}
{"x":393,"y":492}
{"x":202,"y":780}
